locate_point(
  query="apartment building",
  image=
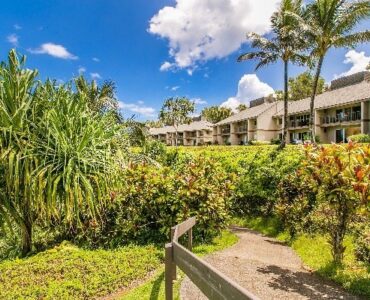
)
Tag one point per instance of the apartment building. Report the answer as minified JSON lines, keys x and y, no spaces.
{"x":194,"y":134}
{"x":340,"y":112}
{"x":254,"y":123}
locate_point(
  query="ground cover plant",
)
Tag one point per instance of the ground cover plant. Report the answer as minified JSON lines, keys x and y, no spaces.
{"x":69,"y":272}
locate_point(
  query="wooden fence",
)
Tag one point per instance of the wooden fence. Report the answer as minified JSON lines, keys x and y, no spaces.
{"x":211,"y":282}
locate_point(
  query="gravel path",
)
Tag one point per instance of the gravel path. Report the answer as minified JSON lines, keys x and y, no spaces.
{"x":268,"y":269}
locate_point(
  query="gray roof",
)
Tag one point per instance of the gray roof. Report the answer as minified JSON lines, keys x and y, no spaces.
{"x":193,"y":126}
{"x":249,"y":113}
{"x":346,"y":95}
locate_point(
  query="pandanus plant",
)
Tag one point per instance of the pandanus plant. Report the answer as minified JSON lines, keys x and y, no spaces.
{"x":57,"y":157}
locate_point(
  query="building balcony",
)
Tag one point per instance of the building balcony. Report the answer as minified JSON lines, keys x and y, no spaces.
{"x":299,"y":123}
{"x":225,"y":131}
{"x":342,"y":117}
{"x":241,"y":129}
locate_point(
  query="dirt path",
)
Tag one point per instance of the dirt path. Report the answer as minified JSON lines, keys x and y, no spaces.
{"x":268,"y":269}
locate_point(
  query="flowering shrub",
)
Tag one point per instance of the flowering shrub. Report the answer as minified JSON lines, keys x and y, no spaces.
{"x":152,"y":199}
{"x":338,"y":177}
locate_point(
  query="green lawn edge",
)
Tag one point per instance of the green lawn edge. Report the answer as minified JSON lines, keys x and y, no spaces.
{"x":314,"y":251}
{"x":153,"y":289}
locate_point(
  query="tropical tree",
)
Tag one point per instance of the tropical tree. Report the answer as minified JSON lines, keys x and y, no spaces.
{"x":328,"y":24}
{"x":57,"y":156}
{"x":18,"y":110}
{"x":241,"y":107}
{"x":300,"y":87}
{"x":284,"y":45}
{"x":215,"y":114}
{"x":175,"y":111}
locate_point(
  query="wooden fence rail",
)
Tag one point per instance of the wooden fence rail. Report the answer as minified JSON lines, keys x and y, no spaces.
{"x":210,"y":281}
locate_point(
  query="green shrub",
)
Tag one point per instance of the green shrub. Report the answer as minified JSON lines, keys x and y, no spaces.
{"x":360,"y":138}
{"x":333,"y":191}
{"x":362,"y":249}
{"x":152,"y":199}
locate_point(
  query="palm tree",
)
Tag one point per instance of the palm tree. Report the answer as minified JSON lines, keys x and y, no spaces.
{"x":331,"y":23}
{"x":285,"y":46}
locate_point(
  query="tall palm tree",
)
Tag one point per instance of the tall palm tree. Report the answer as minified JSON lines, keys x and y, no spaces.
{"x":285,"y":45}
{"x":331,"y":23}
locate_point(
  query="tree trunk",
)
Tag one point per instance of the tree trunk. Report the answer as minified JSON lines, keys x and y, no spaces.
{"x":285,"y":122}
{"x":313,"y":95}
{"x":339,"y":232}
{"x":26,"y":232}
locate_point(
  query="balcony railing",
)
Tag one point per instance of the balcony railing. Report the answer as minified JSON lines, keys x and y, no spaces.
{"x":299,"y":123}
{"x":243,"y":128}
{"x":225,"y":130}
{"x":342,"y":117}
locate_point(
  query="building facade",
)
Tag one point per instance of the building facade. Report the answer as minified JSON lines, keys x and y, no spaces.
{"x":340,"y":112}
{"x":194,"y":134}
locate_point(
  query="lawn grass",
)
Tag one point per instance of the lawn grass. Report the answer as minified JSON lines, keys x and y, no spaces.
{"x":154,"y":288}
{"x":315,"y":253}
{"x":68,"y":272}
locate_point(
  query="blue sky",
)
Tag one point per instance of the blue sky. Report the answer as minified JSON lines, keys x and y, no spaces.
{"x":154,"y":49}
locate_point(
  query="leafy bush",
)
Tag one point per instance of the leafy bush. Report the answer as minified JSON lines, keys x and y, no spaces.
{"x":360,"y":138}
{"x":152,"y":199}
{"x":275,"y":141}
{"x":339,"y":177}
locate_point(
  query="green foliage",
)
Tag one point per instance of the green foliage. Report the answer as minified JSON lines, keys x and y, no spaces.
{"x":67,"y":272}
{"x":316,"y":253}
{"x":152,"y":199}
{"x":360,"y":138}
{"x":241,"y":107}
{"x":300,"y":87}
{"x":330,"y":192}
{"x":215,"y":114}
{"x":57,"y":153}
{"x":154,"y":149}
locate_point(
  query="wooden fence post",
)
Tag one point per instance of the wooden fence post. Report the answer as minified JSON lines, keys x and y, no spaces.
{"x":174,"y":276}
{"x":190,"y":239}
{"x":168,"y":271}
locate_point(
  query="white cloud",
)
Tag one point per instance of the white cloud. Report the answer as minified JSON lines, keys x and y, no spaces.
{"x":199,"y":101}
{"x":250,"y":87}
{"x":199,"y":30}
{"x":17,"y":27}
{"x":175,"y":88}
{"x":358,"y":60}
{"x":95,"y":59}
{"x":166,"y":66}
{"x":138,"y":108}
{"x":12,"y":39}
{"x":95,"y":75}
{"x":55,"y":50}
{"x":81,"y":70}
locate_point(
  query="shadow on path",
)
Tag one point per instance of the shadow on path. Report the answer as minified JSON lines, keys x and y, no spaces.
{"x":303,"y":283}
